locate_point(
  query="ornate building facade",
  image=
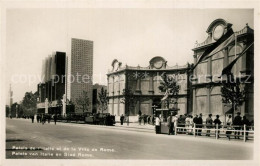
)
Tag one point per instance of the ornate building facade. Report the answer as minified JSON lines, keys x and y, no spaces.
{"x":143,"y":82}
{"x":206,"y":86}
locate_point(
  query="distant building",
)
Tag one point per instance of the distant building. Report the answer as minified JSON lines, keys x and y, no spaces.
{"x":52,"y":87}
{"x":65,"y":78}
{"x":206,"y":88}
{"x":81,"y":70}
{"x":144,"y":83}
{"x":95,"y":99}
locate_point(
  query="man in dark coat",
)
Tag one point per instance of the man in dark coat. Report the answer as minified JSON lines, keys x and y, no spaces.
{"x":32,"y":118}
{"x":246,"y":122}
{"x":217,"y":122}
{"x":55,"y":118}
{"x":170,"y":124}
{"x":237,"y":122}
{"x":122,"y":119}
{"x":199,"y":123}
{"x":209,"y":122}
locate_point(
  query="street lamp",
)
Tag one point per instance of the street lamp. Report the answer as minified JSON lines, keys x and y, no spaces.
{"x":154,"y":107}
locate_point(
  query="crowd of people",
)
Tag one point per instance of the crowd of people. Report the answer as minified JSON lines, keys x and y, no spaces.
{"x":43,"y":118}
{"x":188,"y":122}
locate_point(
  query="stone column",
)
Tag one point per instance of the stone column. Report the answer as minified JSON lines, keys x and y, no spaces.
{"x":194,"y":100}
{"x":225,"y":60}
{"x":208,"y":99}
{"x":209,"y":70}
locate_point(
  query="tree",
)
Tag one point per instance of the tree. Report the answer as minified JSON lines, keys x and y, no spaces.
{"x":231,"y":92}
{"x":83,"y":101}
{"x":29,"y":103}
{"x":170,"y":87}
{"x":103,"y":100}
{"x":128,"y":99}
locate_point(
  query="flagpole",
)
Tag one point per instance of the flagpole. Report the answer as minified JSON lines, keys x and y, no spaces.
{"x":235,"y":69}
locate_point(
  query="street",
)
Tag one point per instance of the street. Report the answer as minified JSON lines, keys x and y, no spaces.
{"x":64,"y":140}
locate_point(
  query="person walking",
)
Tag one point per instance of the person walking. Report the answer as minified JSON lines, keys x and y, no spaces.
{"x":191,"y":125}
{"x":43,"y":119}
{"x":246,"y":122}
{"x":170,"y":124}
{"x":237,"y":122}
{"x":145,"y":119}
{"x":32,"y":117}
{"x":174,"y":122}
{"x":127,"y":120}
{"x":187,"y":124}
{"x":158,"y":124}
{"x":149,"y":119}
{"x":55,"y":118}
{"x":139,"y":119}
{"x":229,"y":127}
{"x":217,"y":122}
{"x":199,"y":122}
{"x":209,"y":122}
{"x":122,"y":119}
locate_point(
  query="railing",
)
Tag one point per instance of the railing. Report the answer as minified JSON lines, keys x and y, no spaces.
{"x":226,"y":130}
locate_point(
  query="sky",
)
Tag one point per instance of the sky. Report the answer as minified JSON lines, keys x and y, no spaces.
{"x":133,"y":36}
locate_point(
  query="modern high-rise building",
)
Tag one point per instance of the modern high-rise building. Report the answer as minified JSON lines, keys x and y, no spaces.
{"x":81,"y":71}
{"x":52,"y":87}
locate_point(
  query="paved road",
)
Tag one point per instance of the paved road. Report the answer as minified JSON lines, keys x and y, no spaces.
{"x":27,"y":140}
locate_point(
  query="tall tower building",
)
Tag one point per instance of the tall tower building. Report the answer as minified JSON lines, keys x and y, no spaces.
{"x":81,"y":70}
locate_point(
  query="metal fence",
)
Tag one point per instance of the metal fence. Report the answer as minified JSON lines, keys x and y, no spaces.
{"x":218,"y":131}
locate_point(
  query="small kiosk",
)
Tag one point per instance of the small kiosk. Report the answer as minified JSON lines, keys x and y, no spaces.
{"x":164,"y":115}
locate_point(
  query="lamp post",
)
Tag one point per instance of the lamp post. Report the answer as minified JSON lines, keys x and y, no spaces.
{"x":154,"y":107}
{"x":16,"y":112}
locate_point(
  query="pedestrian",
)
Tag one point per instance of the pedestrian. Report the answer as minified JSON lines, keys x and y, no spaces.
{"x":217,"y":122}
{"x":43,"y":119}
{"x":49,"y":118}
{"x":32,"y":117}
{"x":187,"y":124}
{"x":149,"y":119}
{"x":174,"y":122}
{"x":229,"y":127}
{"x":195,"y":121}
{"x":191,"y":125}
{"x":153,"y":120}
{"x":139,"y":112}
{"x":158,"y":124}
{"x":140,"y":119}
{"x":246,"y":122}
{"x":180,"y":124}
{"x":127,"y":120}
{"x":55,"y":118}
{"x":199,"y":123}
{"x":145,"y":119}
{"x":170,"y":124}
{"x":122,"y":119}
{"x":229,"y":120}
{"x":237,"y":122}
{"x":209,"y":122}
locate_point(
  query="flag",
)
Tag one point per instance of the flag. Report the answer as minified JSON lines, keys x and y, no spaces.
{"x":165,"y":96}
{"x":227,"y":70}
{"x":210,"y":49}
{"x":222,"y":46}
